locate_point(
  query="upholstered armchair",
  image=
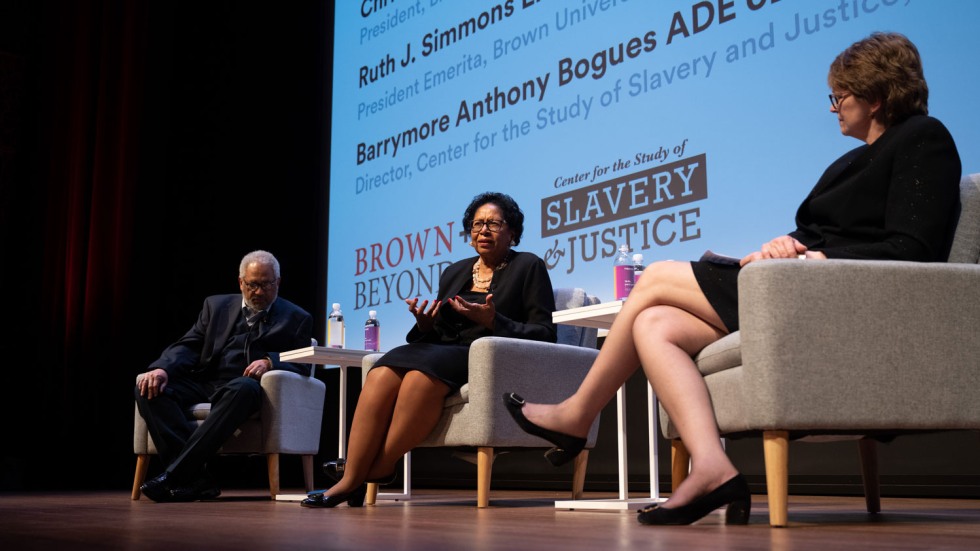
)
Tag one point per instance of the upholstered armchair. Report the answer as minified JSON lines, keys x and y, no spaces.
{"x":859,"y":349}
{"x":475,"y":416}
{"x":288,"y":422}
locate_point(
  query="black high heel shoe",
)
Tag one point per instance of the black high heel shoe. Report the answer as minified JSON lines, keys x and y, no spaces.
{"x":354,"y":498}
{"x":335,"y":471}
{"x":566,"y":445}
{"x":734,"y":493}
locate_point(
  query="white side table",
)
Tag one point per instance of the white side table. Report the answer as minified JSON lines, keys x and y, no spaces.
{"x":601,"y":316}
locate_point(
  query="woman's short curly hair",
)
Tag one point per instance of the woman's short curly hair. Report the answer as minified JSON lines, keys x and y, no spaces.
{"x":883,"y":67}
{"x":513,"y":214}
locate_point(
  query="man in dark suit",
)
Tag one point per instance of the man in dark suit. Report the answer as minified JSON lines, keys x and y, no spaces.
{"x":236,"y":339}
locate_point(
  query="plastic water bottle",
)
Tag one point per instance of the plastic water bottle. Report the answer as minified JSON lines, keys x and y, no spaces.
{"x":335,"y":327}
{"x":623,"y":273}
{"x":372,"y":332}
{"x":637,"y":267}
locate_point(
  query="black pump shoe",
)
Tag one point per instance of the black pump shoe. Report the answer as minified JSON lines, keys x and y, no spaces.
{"x":354,"y":498}
{"x":734,"y":493}
{"x":567,"y":447}
{"x":335,"y":471}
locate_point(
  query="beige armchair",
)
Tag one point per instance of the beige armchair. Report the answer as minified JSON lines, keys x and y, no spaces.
{"x":475,"y":416}
{"x":849,"y":348}
{"x":289,"y":422}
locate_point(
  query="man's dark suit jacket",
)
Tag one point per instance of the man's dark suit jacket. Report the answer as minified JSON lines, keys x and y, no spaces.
{"x":198,"y":353}
{"x":896,"y":199}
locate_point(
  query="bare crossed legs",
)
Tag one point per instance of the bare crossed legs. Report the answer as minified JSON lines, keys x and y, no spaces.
{"x":663,"y":324}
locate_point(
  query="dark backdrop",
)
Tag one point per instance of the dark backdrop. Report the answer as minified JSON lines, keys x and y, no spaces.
{"x":144,"y":148}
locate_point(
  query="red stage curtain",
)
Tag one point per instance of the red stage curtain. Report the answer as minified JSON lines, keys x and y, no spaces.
{"x":88,"y":71}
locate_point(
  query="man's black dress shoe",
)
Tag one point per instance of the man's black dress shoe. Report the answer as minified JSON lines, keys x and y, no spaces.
{"x":734,"y":493}
{"x":201,"y":488}
{"x":163,"y":490}
{"x":157,"y":488}
{"x":567,"y":447}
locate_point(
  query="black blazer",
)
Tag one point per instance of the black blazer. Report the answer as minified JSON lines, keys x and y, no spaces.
{"x":522,"y":295}
{"x":198,"y":353}
{"x":896,"y":199}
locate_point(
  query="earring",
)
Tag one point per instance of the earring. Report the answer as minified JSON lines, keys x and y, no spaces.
{"x":512,"y":243}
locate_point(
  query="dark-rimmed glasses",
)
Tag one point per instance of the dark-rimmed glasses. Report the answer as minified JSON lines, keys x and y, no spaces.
{"x":493,"y":225}
{"x":256,"y":285}
{"x":835,"y":100}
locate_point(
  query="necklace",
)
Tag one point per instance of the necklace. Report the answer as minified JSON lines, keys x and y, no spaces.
{"x":480,"y":283}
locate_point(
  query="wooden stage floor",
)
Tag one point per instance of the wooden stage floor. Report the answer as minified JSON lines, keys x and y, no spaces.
{"x":448,"y":520}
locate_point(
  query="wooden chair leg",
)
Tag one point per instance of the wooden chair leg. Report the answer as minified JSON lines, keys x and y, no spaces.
{"x":484,"y":466}
{"x":272,"y":460}
{"x":372,"y":494}
{"x":775,"y":445}
{"x":868,"y":452}
{"x":578,"y":474}
{"x":680,"y":463}
{"x":308,"y":472}
{"x":142,"y":464}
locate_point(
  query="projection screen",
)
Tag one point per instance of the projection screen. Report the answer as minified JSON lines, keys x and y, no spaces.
{"x":670,"y":126}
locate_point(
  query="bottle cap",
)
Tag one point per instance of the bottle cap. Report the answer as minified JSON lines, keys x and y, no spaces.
{"x":638,"y":257}
{"x":336,"y":306}
{"x":372,"y":314}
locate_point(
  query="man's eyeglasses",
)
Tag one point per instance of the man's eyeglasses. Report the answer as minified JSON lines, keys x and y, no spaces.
{"x":492,"y":225}
{"x":835,"y":101}
{"x":255,"y":285}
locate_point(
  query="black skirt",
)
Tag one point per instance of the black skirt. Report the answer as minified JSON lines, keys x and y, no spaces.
{"x":447,"y":362}
{"x":447,"y":358}
{"x":719,"y":283}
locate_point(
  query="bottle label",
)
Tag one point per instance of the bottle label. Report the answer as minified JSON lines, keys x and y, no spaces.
{"x":623,"y":276}
{"x":335,"y":333}
{"x":371,"y":338}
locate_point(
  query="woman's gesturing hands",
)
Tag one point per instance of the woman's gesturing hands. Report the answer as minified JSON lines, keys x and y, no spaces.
{"x":483,"y":314}
{"x":423,"y":318}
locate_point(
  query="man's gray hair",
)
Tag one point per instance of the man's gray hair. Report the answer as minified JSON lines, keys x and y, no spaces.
{"x":259,"y":257}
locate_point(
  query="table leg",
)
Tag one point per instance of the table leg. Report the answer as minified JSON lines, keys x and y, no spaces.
{"x":624,"y":502}
{"x":654,"y":446}
{"x":342,"y":429}
{"x":624,"y":492}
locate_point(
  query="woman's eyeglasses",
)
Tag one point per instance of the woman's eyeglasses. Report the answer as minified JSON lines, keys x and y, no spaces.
{"x":493,"y":225}
{"x":835,"y":101}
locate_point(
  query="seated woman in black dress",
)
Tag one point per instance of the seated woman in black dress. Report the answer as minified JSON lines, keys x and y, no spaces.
{"x":499,"y":292}
{"x":895,"y":197}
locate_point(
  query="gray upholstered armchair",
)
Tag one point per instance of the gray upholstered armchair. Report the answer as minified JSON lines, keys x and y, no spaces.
{"x":857,"y":348}
{"x":475,"y":416}
{"x":289,"y":422}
